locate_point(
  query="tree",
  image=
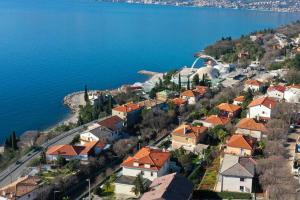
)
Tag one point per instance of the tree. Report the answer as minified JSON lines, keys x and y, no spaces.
{"x":14,"y":141}
{"x":43,"y":157}
{"x":61,"y":161}
{"x":75,"y":140}
{"x":179,"y":82}
{"x":188,"y":84}
{"x":139,"y":185}
{"x":196,"y":80}
{"x":86,"y":96}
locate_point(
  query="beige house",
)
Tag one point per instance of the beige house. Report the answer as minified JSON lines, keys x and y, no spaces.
{"x":188,"y":136}
{"x":129,"y":112}
{"x":249,"y":126}
{"x":240,"y":145}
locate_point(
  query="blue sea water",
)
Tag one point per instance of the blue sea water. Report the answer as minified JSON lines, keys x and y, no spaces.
{"x":49,"y":48}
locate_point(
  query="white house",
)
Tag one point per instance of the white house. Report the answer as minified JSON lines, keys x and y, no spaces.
{"x":192,"y":97}
{"x":238,"y":100}
{"x":108,"y":129}
{"x":149,"y":162}
{"x":236,"y":174}
{"x":276,"y":91}
{"x":292,"y":94}
{"x":253,"y":85}
{"x":262,"y":108}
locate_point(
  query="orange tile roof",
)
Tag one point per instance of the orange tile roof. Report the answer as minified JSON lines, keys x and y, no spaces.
{"x":201,"y":90}
{"x":189,"y":93}
{"x":266,"y":101}
{"x":178,"y":101}
{"x":216,"y":120}
{"x":228,"y":107}
{"x":156,"y":158}
{"x":279,"y":88}
{"x":253,"y":82}
{"x":241,"y":141}
{"x":190,"y":131}
{"x":128,"y":107}
{"x":251,"y":124}
{"x":71,"y":150}
{"x":110,"y":122}
{"x":239,"y":99}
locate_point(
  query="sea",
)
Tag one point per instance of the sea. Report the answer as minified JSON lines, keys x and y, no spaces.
{"x":50,"y":48}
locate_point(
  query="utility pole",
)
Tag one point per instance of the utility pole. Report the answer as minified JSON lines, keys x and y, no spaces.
{"x":88,"y":180}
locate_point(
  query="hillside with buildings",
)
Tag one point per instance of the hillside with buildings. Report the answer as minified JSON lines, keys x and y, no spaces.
{"x":227,"y":130}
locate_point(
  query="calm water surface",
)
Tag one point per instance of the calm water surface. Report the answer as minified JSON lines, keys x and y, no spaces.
{"x":49,"y":48}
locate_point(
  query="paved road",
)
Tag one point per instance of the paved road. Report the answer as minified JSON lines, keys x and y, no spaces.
{"x":14,"y":171}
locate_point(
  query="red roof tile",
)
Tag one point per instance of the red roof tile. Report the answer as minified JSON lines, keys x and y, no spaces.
{"x":189,"y":93}
{"x":129,"y":107}
{"x":253,"y":82}
{"x":156,"y":158}
{"x":190,"y":131}
{"x":111,"y":122}
{"x":241,"y":141}
{"x":266,"y":101}
{"x":229,"y":107}
{"x":251,"y":124}
{"x":239,"y":99}
{"x":216,"y":120}
{"x":279,"y":88}
{"x":178,"y":101}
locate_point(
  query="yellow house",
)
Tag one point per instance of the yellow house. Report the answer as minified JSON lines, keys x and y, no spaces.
{"x":188,"y":136}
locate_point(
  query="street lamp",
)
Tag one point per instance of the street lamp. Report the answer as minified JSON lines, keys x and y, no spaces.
{"x":56,"y":191}
{"x":88,"y":180}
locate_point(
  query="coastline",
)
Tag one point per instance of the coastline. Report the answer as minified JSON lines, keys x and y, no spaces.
{"x":75,"y":99}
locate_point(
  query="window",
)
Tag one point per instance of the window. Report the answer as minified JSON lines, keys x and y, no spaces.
{"x":242,"y":179}
{"x":242,"y":188}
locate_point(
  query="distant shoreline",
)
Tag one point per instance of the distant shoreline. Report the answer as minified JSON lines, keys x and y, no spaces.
{"x":216,"y":7}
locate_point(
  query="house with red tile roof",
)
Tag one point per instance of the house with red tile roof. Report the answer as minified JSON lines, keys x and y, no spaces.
{"x":201,"y":90}
{"x":191,"y":96}
{"x":253,"y":85}
{"x":292,"y":93}
{"x":129,"y":112}
{"x":276,"y":91}
{"x":240,"y":145}
{"x":179,"y":102}
{"x":213,"y":120}
{"x":23,"y":188}
{"x":150,"y":162}
{"x":262,"y":108}
{"x":188,"y":136}
{"x":169,"y":187}
{"x":250,"y":127}
{"x":229,"y":110}
{"x":238,"y":100}
{"x":71,"y":152}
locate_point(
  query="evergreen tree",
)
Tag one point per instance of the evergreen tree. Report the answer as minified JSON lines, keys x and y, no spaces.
{"x":14,"y":141}
{"x":109,"y":105}
{"x":196,"y":80}
{"x":86,"y":96}
{"x":188,"y":83}
{"x":179,"y":81}
{"x":139,"y":187}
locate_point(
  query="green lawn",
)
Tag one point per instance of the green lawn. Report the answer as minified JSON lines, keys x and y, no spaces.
{"x":210,"y":177}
